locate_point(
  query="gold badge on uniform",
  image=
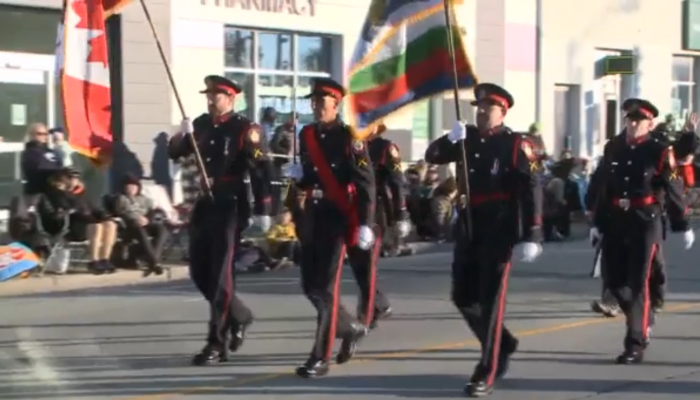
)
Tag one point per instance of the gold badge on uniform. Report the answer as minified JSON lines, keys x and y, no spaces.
{"x":254,"y":136}
{"x":257,"y":153}
{"x":674,"y":175}
{"x":361,"y":162}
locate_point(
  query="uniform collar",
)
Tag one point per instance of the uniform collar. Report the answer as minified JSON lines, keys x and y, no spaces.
{"x":637,"y":140}
{"x":218,"y":120}
{"x":493,"y":131}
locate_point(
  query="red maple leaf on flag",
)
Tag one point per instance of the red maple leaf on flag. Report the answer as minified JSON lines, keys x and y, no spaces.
{"x":91,"y":18}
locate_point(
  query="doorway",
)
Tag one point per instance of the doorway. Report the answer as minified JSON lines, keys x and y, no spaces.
{"x":27,"y":95}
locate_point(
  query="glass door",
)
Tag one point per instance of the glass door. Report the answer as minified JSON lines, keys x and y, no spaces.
{"x":27,"y":95}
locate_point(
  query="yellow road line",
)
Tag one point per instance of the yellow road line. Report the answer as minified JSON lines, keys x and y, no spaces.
{"x":401,"y":354}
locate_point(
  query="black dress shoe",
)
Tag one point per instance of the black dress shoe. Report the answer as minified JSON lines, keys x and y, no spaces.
{"x":608,"y":310}
{"x":380,"y":314}
{"x":95,"y":267}
{"x":210,"y":355}
{"x":239,"y":336}
{"x":107,"y":266}
{"x":154,"y":269}
{"x":313,"y":369}
{"x":504,"y":358}
{"x":630,"y":357}
{"x":478,"y":389}
{"x":349,"y":344}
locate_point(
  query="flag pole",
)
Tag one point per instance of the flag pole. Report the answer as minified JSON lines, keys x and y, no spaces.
{"x":169,"y":73}
{"x":458,"y":114}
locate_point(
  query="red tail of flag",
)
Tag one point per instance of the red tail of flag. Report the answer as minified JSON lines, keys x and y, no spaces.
{"x":85,"y":86}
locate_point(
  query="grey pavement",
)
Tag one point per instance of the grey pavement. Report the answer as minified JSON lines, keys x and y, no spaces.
{"x":135,"y":342}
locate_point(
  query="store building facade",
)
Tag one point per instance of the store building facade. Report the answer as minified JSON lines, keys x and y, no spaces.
{"x":549,"y":55}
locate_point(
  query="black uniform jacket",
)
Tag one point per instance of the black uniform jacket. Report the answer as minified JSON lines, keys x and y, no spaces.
{"x":338,"y":176}
{"x":503,"y":181}
{"x":628,"y":180}
{"x":232,"y":148}
{"x":391,"y":183}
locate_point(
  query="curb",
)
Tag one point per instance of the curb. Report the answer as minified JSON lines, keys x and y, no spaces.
{"x":65,"y":283}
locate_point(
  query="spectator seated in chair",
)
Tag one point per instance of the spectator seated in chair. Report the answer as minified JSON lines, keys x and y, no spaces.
{"x":282,"y":241}
{"x":141,"y":223}
{"x":64,"y":202}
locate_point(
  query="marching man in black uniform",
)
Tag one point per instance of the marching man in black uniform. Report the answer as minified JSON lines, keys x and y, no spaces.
{"x":392,"y":215}
{"x":502,"y":167}
{"x":390,"y":211}
{"x":628,"y":215}
{"x":336,"y":173}
{"x":231,"y":147}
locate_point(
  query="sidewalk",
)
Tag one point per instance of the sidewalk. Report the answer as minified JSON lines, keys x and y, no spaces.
{"x":64,"y":283}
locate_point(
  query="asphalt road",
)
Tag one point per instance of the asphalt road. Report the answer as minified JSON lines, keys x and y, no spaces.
{"x":135,"y":343}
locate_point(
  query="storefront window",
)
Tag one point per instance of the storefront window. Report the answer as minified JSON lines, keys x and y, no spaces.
{"x":28,"y":30}
{"x":276,"y":91}
{"x":238,"y":48}
{"x":275,"y":51}
{"x":682,"y":91}
{"x":270,"y":63}
{"x":244,"y":102}
{"x":314,"y":53}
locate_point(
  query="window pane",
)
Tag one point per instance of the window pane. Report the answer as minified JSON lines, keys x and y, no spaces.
{"x":28,"y":30}
{"x":681,"y":101}
{"x":244,"y":101}
{"x":238,"y":47}
{"x":303,"y":106}
{"x":314,"y":54}
{"x":275,"y":91}
{"x":682,"y":69}
{"x":274,"y":51}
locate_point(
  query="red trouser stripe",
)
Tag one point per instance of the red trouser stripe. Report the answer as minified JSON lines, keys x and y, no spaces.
{"x":369,"y":312}
{"x":501,"y":304}
{"x":334,"y":307}
{"x":647,"y":301}
{"x":228,"y":284}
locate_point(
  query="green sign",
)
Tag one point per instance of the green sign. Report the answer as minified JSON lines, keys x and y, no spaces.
{"x":615,"y":65}
{"x":421,"y":120}
{"x":691,"y":25}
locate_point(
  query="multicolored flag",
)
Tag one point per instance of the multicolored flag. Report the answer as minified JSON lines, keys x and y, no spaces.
{"x":403,"y":57}
{"x":85,"y":84}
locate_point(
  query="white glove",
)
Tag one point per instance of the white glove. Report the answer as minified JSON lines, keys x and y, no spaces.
{"x":403,"y":228}
{"x":186,"y":126}
{"x":293,"y":171}
{"x":594,"y":235}
{"x":365,"y":238}
{"x":688,"y":238}
{"x":458,"y":132}
{"x":263,"y":222}
{"x":531,"y":251}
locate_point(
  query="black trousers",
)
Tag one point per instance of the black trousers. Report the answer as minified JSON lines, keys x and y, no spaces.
{"x":322,"y":258}
{"x":480,"y":272}
{"x":657,"y":281}
{"x":151,"y":240}
{"x":214,"y":236}
{"x":630,"y":257}
{"x":364,"y":267}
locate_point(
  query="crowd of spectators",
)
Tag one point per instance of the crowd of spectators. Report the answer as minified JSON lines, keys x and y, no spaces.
{"x":126,"y":228}
{"x":54,"y":210}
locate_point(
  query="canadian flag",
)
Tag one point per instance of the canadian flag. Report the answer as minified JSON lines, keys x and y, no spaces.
{"x":83,"y":65}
